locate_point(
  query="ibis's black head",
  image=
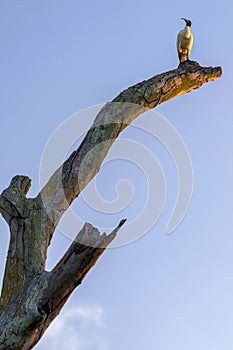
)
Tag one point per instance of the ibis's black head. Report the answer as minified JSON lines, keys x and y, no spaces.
{"x":188,"y":22}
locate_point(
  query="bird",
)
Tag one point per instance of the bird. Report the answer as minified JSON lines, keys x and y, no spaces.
{"x":184,"y":41}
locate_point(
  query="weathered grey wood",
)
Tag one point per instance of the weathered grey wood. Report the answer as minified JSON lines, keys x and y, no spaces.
{"x":32,"y":297}
{"x":40,"y":297}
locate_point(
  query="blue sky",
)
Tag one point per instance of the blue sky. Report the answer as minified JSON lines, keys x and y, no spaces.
{"x":59,"y":57}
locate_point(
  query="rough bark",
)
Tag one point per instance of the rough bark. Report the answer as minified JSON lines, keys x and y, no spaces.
{"x":32,"y":297}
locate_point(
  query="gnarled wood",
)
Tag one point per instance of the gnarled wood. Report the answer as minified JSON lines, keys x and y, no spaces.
{"x":32,"y":297}
{"x":38,"y":301}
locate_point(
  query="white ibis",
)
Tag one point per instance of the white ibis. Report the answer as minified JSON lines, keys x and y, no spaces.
{"x":184,"y":41}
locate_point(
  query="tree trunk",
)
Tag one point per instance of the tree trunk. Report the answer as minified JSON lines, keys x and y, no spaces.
{"x":32,"y":297}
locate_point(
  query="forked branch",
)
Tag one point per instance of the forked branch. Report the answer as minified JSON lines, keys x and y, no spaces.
{"x":31,"y":296}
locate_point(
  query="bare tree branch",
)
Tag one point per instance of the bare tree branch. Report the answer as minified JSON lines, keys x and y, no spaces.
{"x":45,"y":294}
{"x":84,"y":163}
{"x":31,"y":297}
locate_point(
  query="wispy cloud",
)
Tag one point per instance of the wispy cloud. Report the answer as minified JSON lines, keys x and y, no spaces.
{"x":76,"y":328}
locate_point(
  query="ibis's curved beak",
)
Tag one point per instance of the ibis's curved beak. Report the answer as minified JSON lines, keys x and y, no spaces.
{"x":186,"y":20}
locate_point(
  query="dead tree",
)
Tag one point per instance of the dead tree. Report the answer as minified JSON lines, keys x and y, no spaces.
{"x":32,"y":297}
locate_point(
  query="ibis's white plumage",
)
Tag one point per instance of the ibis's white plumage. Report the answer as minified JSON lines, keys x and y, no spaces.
{"x":184,"y":42}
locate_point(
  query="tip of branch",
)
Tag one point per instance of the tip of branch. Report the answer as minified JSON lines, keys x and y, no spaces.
{"x":121,"y":223}
{"x":219,"y":70}
{"x":20,"y":184}
{"x":188,"y":65}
